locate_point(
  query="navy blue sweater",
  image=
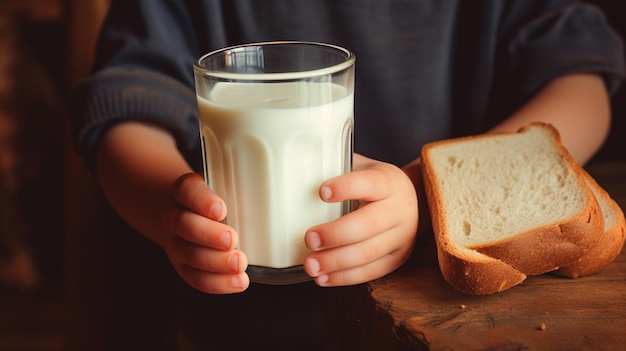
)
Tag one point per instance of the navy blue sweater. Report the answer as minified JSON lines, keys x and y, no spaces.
{"x":426,"y":70}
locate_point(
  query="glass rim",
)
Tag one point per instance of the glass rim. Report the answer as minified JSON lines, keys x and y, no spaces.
{"x":349,"y":61}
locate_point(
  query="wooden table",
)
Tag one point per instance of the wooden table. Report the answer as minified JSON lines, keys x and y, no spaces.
{"x":415,"y":309}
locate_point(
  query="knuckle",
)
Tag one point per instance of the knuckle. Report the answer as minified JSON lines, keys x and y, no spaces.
{"x":183,"y":180}
{"x":200,"y":280}
{"x":183,"y":185}
{"x":368,"y":275}
{"x":176,"y":219}
{"x":369,"y":253}
{"x":188,"y":253}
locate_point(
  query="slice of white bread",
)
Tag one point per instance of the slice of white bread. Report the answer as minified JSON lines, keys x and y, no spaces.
{"x":507,"y":205}
{"x":611,"y":242}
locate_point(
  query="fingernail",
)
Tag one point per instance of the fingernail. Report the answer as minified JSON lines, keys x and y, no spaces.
{"x":226,"y":240}
{"x":236,"y":282}
{"x":313,"y":240}
{"x":322,"y":279}
{"x":313,"y":265}
{"x":327,"y":192}
{"x":216,"y":210}
{"x":233,"y":263}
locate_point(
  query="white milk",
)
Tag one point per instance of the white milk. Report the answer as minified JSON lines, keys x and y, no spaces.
{"x":267,"y":156}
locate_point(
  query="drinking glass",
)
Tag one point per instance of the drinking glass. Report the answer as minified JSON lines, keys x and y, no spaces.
{"x":276,"y":120}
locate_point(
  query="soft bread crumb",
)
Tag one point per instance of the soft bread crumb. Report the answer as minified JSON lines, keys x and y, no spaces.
{"x":526,"y":178}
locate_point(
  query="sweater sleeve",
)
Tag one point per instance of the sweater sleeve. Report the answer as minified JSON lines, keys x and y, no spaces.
{"x":569,"y":38}
{"x":143,"y":71}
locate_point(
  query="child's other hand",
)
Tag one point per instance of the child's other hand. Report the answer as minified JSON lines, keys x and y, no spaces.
{"x":374,"y":239}
{"x":201,"y":249}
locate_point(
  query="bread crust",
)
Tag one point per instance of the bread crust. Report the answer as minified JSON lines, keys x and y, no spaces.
{"x":501,"y":265}
{"x":547,"y":248}
{"x":608,"y":247}
{"x":476,"y":275}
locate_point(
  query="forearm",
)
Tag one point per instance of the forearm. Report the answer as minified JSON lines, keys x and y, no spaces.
{"x":577,"y":105}
{"x":137,"y":165}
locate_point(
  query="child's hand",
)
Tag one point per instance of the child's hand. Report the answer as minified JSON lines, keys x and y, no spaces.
{"x":201,"y":249}
{"x":374,"y":239}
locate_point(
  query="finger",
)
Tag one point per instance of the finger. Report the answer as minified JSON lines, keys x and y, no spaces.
{"x":207,"y":259}
{"x":213,"y":283}
{"x":353,"y":227}
{"x":368,"y":185}
{"x":361,"y":274}
{"x":200,"y":230}
{"x":191,"y":191}
{"x":346,"y":257}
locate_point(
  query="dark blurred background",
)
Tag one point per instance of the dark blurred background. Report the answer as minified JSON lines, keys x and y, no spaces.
{"x":53,"y":259}
{"x":50,"y":263}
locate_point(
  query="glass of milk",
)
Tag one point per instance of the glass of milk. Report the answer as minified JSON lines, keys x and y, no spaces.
{"x":276,"y":120}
